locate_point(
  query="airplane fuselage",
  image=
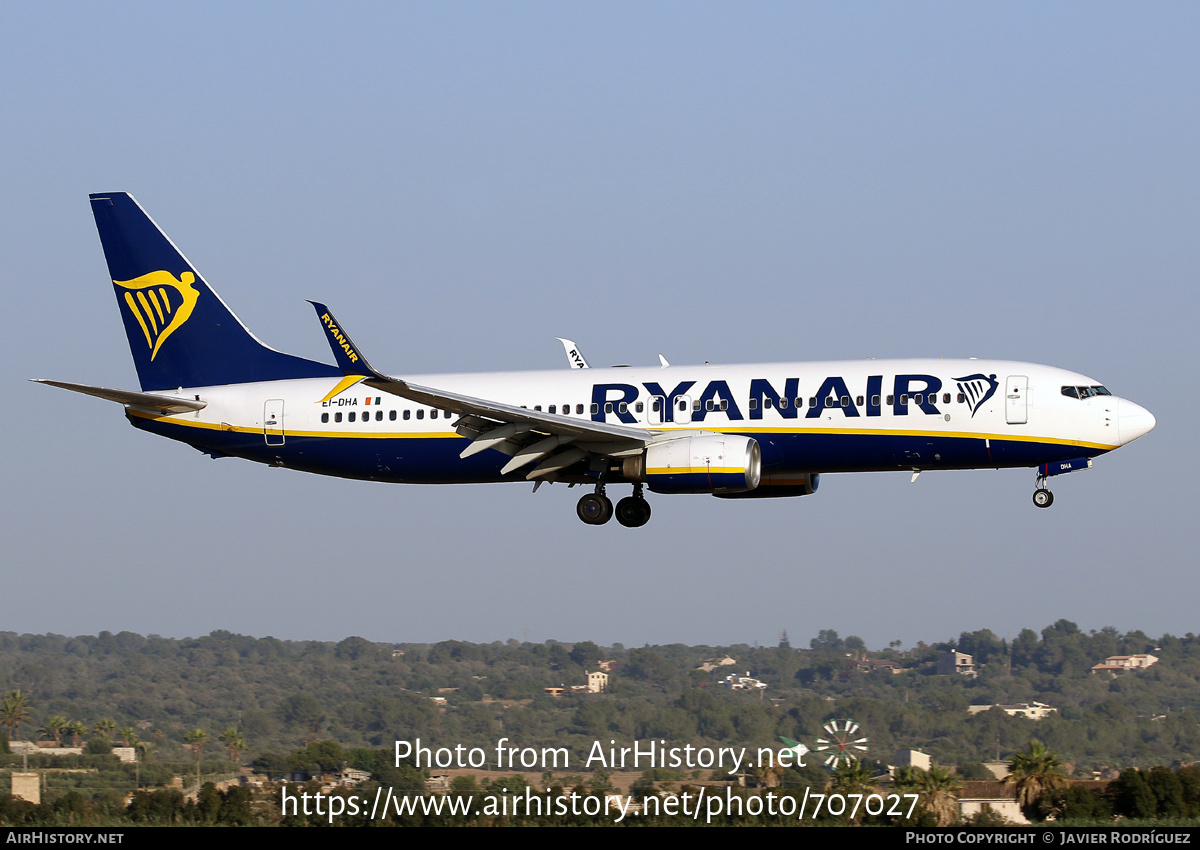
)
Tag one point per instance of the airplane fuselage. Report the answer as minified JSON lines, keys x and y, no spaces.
{"x":837,"y":416}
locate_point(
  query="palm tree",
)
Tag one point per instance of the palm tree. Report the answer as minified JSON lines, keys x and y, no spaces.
{"x":147,"y":749}
{"x":1035,"y":772}
{"x":853,"y":777}
{"x":105,"y":728}
{"x":196,"y":739}
{"x":76,"y":729}
{"x":939,"y":790}
{"x":14,"y":710}
{"x":128,"y":736}
{"x":53,"y":727}
{"x":234,"y":742}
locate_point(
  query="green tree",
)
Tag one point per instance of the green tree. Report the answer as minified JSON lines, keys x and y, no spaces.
{"x":53,"y":727}
{"x":76,"y":729}
{"x":128,"y":736}
{"x":234,"y":742}
{"x":1034,"y":772}
{"x":105,"y":728}
{"x":196,"y":739}
{"x":14,"y":710}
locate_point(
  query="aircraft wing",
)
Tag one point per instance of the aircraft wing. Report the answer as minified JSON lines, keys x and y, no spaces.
{"x":555,"y":442}
{"x":147,"y":401}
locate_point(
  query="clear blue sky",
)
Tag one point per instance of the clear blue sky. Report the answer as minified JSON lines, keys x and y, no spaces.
{"x":732,"y":183}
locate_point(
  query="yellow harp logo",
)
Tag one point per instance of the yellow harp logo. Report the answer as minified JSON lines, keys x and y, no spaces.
{"x":160,"y":303}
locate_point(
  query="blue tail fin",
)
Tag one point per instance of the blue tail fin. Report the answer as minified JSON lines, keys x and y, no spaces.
{"x":180,"y":331}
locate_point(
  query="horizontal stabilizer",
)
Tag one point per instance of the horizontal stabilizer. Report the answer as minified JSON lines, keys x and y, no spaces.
{"x":148,"y":401}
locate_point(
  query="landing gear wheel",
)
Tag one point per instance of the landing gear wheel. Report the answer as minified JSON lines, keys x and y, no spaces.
{"x":594,"y":509}
{"x":633,"y":512}
{"x":1043,"y":498}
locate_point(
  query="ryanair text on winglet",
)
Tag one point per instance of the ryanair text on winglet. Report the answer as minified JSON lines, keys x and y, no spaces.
{"x":337,"y":334}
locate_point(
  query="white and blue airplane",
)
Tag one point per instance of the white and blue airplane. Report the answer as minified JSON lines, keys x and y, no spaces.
{"x":742,"y":431}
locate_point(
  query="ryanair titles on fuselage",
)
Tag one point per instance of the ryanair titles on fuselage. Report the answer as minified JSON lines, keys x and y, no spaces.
{"x":905,"y":392}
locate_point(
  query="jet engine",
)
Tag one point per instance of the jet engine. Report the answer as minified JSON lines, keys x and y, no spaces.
{"x":704,"y":463}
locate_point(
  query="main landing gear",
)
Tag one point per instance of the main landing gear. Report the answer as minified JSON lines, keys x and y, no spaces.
{"x":596,"y":508}
{"x":1042,"y":497}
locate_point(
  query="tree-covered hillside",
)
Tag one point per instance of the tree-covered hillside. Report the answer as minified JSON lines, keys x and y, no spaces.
{"x":278,"y":694}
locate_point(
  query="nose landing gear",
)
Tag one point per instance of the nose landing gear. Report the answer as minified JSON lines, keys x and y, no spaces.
{"x":1042,"y":497}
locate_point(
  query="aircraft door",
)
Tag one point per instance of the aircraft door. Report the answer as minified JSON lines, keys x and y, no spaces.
{"x":656,"y":415}
{"x":1016,"y":399}
{"x":273,"y":422}
{"x":682,"y":409}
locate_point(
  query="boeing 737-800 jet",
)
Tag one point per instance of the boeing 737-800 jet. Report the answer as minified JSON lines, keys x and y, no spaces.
{"x":744,"y":431}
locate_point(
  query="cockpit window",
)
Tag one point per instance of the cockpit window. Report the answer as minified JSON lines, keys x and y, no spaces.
{"x":1084,"y":392}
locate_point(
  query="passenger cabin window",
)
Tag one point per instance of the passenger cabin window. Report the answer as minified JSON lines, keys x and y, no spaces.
{"x":945,"y":398}
{"x":754,"y":403}
{"x":337,"y":417}
{"x":608,"y":407}
{"x":351,"y":417}
{"x":891,"y":400}
{"x":552,"y":409}
{"x":392,"y":415}
{"x":766,"y":403}
{"x":640,"y":407}
{"x":579,"y":408}
{"x":324,"y":417}
{"x":378,"y":415}
{"x":407,"y":414}
{"x":433,"y":414}
{"x":421,"y":413}
{"x":962,"y":398}
{"x":622,"y":408}
{"x":595,"y":407}
{"x":845,"y":401}
{"x":783,"y":403}
{"x":858,"y":401}
{"x":875,"y":401}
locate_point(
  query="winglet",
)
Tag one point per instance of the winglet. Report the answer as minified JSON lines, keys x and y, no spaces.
{"x":349,"y":360}
{"x":574,"y":355}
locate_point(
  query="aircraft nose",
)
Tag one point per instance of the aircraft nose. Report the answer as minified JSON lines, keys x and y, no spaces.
{"x":1133,"y":421}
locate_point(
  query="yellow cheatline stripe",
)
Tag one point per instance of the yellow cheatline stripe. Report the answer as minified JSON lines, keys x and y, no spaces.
{"x":689,"y":470}
{"x":137,"y":315}
{"x":157,"y":306}
{"x":880,"y":432}
{"x":141,"y":297}
{"x":239,"y":429}
{"x":440,"y":434}
{"x":344,"y":384}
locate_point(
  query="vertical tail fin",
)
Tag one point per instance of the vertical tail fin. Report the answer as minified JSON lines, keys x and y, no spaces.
{"x":180,"y":332}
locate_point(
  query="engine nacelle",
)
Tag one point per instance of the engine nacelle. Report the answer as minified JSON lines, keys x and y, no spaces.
{"x":778,"y":485}
{"x":705,"y":463}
